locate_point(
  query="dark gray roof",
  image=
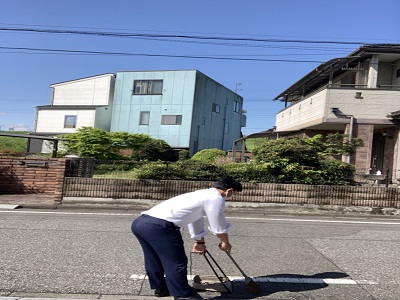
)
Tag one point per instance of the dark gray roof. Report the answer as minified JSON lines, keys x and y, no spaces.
{"x":262,"y":134}
{"x":321,"y":74}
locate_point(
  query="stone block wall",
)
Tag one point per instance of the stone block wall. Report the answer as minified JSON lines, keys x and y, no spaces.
{"x":252,"y":192}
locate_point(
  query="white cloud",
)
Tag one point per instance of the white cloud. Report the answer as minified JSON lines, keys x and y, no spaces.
{"x":16,"y":127}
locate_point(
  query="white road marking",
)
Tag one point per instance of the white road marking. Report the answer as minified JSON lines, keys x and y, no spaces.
{"x":233,"y":218}
{"x":316,"y":221}
{"x":8,"y":206}
{"x":292,"y":280}
{"x":66,"y":213}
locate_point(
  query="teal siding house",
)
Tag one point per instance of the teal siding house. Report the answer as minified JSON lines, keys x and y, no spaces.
{"x":185,"y":108}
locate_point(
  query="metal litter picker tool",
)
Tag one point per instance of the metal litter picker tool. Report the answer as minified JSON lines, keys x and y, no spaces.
{"x":253,"y":287}
{"x":215,"y":283}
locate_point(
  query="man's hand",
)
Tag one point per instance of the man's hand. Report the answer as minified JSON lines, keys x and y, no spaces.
{"x":199,"y":248}
{"x":225,"y":246}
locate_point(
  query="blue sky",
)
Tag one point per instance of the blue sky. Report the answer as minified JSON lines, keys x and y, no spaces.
{"x":26,"y":74}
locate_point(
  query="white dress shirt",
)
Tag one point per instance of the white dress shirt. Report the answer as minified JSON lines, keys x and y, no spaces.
{"x":191,"y":208}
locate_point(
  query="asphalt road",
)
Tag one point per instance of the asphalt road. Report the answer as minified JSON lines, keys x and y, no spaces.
{"x":92,"y":254}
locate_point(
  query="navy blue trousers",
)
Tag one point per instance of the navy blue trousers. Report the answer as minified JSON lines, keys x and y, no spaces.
{"x":164,"y":253}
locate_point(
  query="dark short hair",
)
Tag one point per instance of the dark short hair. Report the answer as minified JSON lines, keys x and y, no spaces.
{"x":228,"y":183}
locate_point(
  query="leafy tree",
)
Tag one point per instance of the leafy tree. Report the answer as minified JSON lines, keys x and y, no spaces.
{"x":125,"y":140}
{"x":154,"y":150}
{"x":101,"y":144}
{"x":90,"y":142}
{"x":208,"y":155}
{"x":339,"y":144}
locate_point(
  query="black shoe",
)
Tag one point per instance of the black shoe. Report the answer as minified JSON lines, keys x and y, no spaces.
{"x":191,"y":297}
{"x":161,"y":292}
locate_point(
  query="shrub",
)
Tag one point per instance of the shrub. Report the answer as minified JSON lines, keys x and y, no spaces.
{"x":208,"y":155}
{"x":154,"y":150}
{"x":199,"y":170}
{"x":293,"y":150}
{"x":184,"y":155}
{"x":185,"y":170}
{"x":251,"y":172}
{"x":157,"y":171}
{"x":337,"y":172}
{"x":104,"y":167}
{"x":329,"y":172}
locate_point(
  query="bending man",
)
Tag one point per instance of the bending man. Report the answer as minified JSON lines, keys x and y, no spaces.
{"x":158,"y":232}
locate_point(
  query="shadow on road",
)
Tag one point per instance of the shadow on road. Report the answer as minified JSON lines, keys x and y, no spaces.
{"x":277,"y":283}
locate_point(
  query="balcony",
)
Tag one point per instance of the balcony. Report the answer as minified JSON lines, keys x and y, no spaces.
{"x":313,"y":111}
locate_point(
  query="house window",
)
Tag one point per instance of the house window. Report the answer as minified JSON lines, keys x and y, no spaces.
{"x":147,"y":87}
{"x":144,"y":118}
{"x":171,"y":119}
{"x":236,"y":106}
{"x":397,"y":73}
{"x":203,"y":121}
{"x":70,"y":121}
{"x":216,"y":108}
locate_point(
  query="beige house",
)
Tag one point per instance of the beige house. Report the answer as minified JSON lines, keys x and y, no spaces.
{"x":358,"y":95}
{"x":75,"y":104}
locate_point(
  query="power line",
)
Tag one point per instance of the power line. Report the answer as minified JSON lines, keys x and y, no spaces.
{"x":202,"y":42}
{"x":85,"y":52}
{"x":197,"y":39}
{"x":180,"y":36}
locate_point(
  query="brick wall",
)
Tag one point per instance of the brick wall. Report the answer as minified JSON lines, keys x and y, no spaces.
{"x":25,"y":175}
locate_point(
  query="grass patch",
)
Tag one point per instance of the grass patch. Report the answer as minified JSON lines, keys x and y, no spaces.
{"x":252,"y":143}
{"x":13,"y":144}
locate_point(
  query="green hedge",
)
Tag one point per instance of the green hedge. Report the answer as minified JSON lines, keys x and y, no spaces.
{"x":330,"y":172}
{"x":184,"y":170}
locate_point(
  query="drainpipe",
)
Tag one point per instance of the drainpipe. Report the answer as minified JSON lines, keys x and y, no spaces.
{"x":224,"y":125}
{"x":350,"y":133}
